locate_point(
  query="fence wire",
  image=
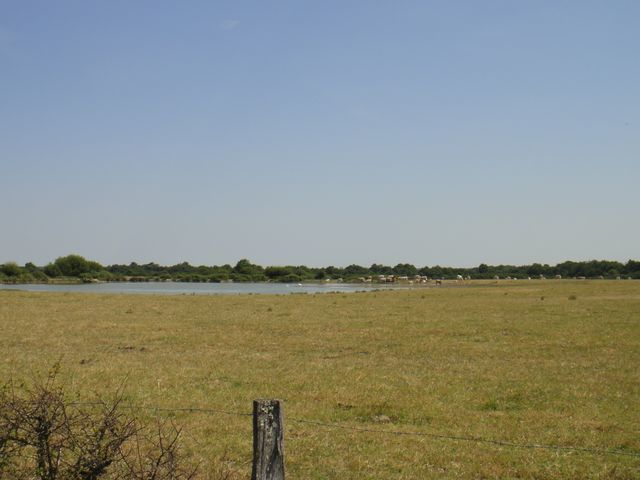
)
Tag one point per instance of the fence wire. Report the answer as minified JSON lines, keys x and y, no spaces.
{"x":467,"y":439}
{"x":440,"y":436}
{"x":163,"y":409}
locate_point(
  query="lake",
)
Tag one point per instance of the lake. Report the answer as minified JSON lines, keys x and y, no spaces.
{"x":186,"y":288}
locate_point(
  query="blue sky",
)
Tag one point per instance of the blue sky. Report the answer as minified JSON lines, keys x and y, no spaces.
{"x":319,"y":133}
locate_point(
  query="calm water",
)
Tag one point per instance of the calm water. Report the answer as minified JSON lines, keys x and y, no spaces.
{"x":180,"y":288}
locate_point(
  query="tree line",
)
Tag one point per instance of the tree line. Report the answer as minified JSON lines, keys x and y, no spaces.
{"x":77,"y":268}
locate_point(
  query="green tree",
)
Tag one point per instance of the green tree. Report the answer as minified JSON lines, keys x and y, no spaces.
{"x":381,"y":269}
{"x":52,"y":270}
{"x":75,"y":265}
{"x":355,"y":270}
{"x":275,"y":273}
{"x":10,"y":269}
{"x":247,"y":271}
{"x":405,"y":269}
{"x":245,"y":267}
{"x":31,"y":267}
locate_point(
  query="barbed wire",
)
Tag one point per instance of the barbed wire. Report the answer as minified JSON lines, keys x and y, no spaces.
{"x":164,"y":409}
{"x":467,"y":438}
{"x":441,"y":436}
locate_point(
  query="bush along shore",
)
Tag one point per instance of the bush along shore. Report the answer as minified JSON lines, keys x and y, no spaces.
{"x":77,"y":269}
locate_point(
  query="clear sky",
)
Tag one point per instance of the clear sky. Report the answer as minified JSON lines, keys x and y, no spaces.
{"x":320,"y":132}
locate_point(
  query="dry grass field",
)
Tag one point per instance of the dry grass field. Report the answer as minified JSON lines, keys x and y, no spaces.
{"x":538,"y":362}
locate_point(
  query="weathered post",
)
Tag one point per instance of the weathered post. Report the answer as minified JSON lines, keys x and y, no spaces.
{"x":268,"y":440}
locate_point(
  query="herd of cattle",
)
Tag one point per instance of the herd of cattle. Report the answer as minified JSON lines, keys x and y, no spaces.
{"x":406,"y":279}
{"x":421,"y":279}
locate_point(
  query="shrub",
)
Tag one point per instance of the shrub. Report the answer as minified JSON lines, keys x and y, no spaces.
{"x":10,"y":269}
{"x":52,"y":270}
{"x":46,"y":436}
{"x":75,"y":265}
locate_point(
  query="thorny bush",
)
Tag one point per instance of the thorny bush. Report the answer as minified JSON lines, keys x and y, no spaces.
{"x":46,"y":436}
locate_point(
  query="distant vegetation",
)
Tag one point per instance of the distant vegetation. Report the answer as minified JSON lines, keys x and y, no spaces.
{"x":75,"y":268}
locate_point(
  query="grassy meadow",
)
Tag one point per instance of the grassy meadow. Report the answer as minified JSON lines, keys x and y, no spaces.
{"x":544,"y":362}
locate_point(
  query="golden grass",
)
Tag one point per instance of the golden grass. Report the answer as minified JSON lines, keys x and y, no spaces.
{"x":548,"y":362}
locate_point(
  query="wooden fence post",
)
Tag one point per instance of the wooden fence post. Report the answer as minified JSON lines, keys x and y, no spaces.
{"x":268,"y":440}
